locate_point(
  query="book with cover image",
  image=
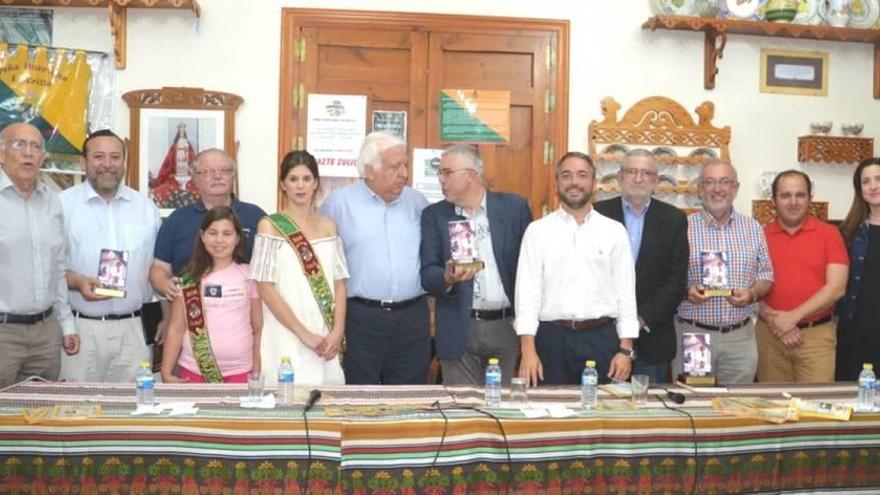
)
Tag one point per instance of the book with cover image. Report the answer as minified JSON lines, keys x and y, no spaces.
{"x":714,"y":273}
{"x":463,"y":245}
{"x":112,"y":270}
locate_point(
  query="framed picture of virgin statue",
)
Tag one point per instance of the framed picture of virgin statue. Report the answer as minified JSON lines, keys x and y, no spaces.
{"x":169,"y":127}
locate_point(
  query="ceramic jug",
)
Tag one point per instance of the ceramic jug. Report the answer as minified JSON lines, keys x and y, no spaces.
{"x":706,"y":8}
{"x":835,"y":12}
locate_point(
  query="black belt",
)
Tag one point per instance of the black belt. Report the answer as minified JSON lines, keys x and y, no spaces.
{"x":491,"y":314}
{"x":386,"y":305}
{"x":14,"y":319}
{"x":133,"y":314}
{"x":583,"y":324}
{"x":814,"y":323}
{"x":717,"y":328}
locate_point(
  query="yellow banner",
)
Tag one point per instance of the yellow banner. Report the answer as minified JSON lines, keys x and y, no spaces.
{"x":49,"y":90}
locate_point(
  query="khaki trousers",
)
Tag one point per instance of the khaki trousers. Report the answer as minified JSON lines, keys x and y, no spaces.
{"x":30,"y":350}
{"x":812,"y":362}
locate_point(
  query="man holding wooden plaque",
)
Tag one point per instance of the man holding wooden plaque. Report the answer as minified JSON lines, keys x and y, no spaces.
{"x":469,"y":252}
{"x":728,"y":273}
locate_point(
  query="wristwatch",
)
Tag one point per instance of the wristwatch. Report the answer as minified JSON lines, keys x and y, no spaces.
{"x":630,"y":353}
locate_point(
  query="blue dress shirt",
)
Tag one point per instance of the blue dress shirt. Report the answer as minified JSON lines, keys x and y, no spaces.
{"x":381,"y":241}
{"x":635,"y":224}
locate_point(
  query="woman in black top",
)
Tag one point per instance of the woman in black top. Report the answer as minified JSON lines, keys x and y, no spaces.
{"x":858,"y":329}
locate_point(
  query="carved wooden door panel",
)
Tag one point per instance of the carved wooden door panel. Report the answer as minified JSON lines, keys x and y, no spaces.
{"x":402,"y":61}
{"x":516,"y":63}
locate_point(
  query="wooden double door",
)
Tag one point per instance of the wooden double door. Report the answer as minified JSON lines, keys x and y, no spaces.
{"x":403,"y":61}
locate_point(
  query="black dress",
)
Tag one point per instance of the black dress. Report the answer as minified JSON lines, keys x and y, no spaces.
{"x":866,"y":320}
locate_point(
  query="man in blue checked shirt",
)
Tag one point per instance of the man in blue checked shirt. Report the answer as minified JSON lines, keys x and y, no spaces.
{"x":719,"y":232}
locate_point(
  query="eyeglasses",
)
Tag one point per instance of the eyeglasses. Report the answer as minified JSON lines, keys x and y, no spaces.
{"x":725,"y":183}
{"x":635,"y":172}
{"x":215,"y":171}
{"x":446,"y":172}
{"x":20,"y":144}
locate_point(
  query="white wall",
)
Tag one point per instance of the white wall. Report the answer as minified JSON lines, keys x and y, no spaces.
{"x":235,"y":47}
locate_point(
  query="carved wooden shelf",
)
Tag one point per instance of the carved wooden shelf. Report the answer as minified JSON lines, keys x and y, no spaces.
{"x":763,"y":212}
{"x":657,"y":121}
{"x":716,"y":31}
{"x":834,"y":149}
{"x":117,"y":11}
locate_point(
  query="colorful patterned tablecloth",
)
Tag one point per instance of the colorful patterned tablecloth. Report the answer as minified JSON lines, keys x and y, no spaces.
{"x":432,"y":440}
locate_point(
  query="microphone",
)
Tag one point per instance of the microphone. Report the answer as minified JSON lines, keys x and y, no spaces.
{"x":676,"y":397}
{"x":314,"y":397}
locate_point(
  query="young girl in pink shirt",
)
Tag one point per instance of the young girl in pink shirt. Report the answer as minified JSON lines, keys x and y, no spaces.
{"x":214,"y":331}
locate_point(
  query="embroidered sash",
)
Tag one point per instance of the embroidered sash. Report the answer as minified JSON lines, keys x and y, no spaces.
{"x":310,"y":264}
{"x":198,"y":330}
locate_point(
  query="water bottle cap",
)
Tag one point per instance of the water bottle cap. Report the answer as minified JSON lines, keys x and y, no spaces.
{"x":590,"y":363}
{"x":285,"y":359}
{"x":493,"y":360}
{"x":867,"y":366}
{"x":144,"y":364}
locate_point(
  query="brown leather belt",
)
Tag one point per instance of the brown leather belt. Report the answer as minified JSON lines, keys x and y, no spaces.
{"x":814,"y":323}
{"x":582,"y":324}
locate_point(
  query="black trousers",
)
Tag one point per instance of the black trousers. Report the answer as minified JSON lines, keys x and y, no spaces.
{"x":387,"y":347}
{"x":563,"y":351}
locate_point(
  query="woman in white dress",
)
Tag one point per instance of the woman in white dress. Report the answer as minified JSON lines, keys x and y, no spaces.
{"x":306,"y":313}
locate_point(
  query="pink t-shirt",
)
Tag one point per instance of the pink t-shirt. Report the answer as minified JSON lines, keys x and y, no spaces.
{"x":226,"y":298}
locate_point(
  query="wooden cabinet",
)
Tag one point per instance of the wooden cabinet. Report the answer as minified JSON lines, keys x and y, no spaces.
{"x":834,"y":149}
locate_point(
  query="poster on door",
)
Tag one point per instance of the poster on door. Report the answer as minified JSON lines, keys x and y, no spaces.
{"x":337,"y":125}
{"x":474,"y":116}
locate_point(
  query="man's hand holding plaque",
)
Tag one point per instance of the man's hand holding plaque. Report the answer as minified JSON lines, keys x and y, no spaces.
{"x":463,"y":263}
{"x":714,"y":274}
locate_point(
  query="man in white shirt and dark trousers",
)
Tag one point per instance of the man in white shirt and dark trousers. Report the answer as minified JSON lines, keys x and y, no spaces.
{"x":103,"y":214}
{"x":575,"y":287}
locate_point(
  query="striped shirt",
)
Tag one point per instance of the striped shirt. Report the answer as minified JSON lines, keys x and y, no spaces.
{"x":748,"y":261}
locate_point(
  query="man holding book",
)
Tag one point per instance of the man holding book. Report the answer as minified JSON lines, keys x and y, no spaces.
{"x":111,"y":230}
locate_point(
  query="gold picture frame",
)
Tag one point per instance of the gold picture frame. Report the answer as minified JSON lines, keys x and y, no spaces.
{"x":794,"y":72}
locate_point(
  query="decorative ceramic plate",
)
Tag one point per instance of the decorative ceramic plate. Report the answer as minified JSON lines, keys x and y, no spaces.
{"x":808,"y":13}
{"x":616,"y":148}
{"x":707,"y":152}
{"x":663,"y":151}
{"x":674,"y":7}
{"x":863,"y":14}
{"x":748,"y":10}
{"x":609,"y":182}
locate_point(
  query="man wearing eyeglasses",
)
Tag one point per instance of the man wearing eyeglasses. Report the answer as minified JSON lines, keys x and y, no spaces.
{"x":35,"y":318}
{"x":109,"y":226}
{"x":720,"y":233}
{"x":658,"y":240}
{"x":474,"y":306}
{"x":213,"y":172}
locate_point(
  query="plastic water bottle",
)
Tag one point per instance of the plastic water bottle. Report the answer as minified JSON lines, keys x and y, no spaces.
{"x":145,"y":384}
{"x":285,"y":381}
{"x":589,"y":386}
{"x":493,"y":383}
{"x":867,"y":388}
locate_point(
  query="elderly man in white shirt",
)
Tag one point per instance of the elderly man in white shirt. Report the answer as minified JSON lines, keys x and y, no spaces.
{"x":103,"y":214}
{"x":575,"y":287}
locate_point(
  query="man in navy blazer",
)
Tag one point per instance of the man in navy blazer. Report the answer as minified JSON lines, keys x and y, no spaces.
{"x":474,"y":306}
{"x":658,"y":237}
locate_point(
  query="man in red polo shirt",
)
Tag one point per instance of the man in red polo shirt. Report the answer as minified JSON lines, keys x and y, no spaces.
{"x":796,"y":336}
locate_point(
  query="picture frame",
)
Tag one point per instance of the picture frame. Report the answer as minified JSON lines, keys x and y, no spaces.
{"x":158,"y":158}
{"x":794,"y":72}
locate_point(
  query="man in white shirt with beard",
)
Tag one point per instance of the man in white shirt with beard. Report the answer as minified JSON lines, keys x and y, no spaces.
{"x":575,"y":287}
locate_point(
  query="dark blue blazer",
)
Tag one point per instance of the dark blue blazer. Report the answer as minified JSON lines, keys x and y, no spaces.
{"x":509,"y":215}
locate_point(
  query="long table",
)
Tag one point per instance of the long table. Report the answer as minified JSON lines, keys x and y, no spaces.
{"x":432,"y":439}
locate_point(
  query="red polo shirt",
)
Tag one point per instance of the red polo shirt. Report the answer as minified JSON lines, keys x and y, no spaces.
{"x":800,"y":260}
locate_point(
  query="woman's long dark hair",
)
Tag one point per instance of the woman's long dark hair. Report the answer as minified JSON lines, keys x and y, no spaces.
{"x":202,"y":262}
{"x":859,"y":209}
